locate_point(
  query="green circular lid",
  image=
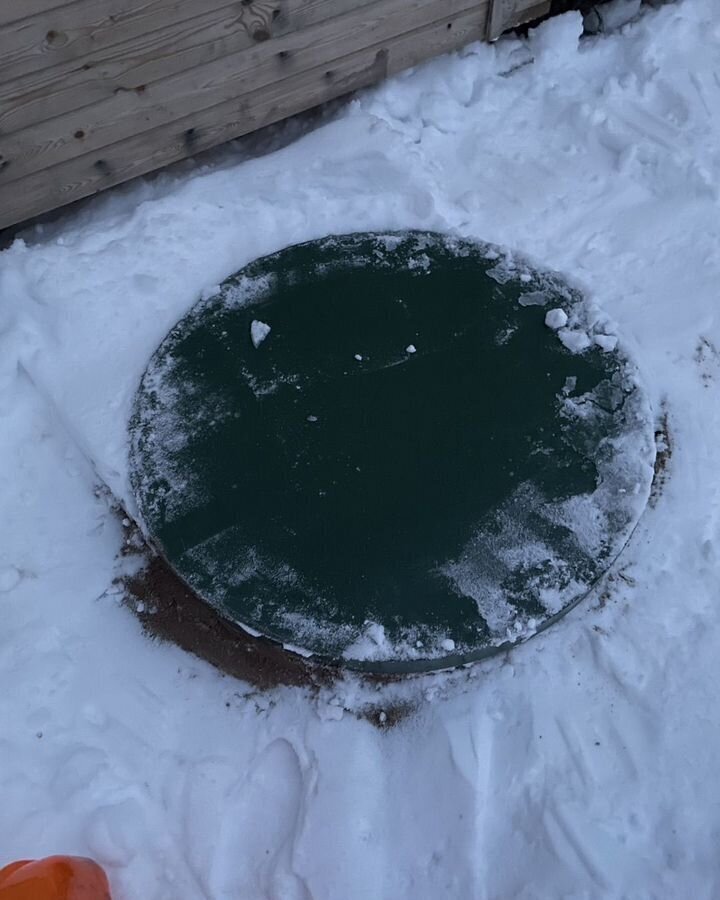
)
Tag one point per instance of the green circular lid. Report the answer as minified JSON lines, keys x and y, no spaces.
{"x":373,"y":448}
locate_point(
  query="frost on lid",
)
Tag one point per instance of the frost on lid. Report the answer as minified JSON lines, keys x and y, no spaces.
{"x":508,"y":568}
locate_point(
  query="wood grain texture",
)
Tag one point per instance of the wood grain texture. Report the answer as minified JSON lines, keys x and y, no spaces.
{"x":70,"y":33}
{"x":131,"y":65}
{"x":537,"y":11}
{"x":64,"y":36}
{"x":505,"y":14}
{"x":12,"y":11}
{"x":131,"y":112}
{"x":53,"y":90}
{"x":301,"y":88}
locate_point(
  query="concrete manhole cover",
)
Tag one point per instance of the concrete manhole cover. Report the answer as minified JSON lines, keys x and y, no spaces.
{"x":373,"y":448}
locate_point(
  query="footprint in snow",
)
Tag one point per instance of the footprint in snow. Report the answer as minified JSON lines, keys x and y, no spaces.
{"x":258,"y":829}
{"x":10,"y":578}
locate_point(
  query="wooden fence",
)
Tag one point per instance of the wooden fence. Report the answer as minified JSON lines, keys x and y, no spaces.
{"x":95,"y":92}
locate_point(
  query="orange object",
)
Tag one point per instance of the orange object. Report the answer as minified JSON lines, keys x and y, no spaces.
{"x":54,"y":878}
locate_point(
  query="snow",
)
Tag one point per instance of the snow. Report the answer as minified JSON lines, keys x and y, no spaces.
{"x":607,"y":342}
{"x":533,"y":298}
{"x":581,"y":765}
{"x":575,"y":340}
{"x":10,"y":578}
{"x":373,"y":643}
{"x":556,"y":319}
{"x":258,"y":332}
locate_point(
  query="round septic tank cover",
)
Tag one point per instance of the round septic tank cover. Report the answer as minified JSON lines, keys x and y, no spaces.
{"x":395,"y":451}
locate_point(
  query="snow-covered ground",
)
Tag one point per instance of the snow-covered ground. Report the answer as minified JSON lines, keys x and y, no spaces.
{"x":584,"y":765}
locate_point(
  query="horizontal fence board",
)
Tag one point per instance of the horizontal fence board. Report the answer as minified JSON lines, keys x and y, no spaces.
{"x":504,"y":14}
{"x":64,"y":36}
{"x":81,"y":176}
{"x":69,"y":33}
{"x":129,"y":113}
{"x":52,"y":91}
{"x":178,"y":46}
{"x":13,"y":10}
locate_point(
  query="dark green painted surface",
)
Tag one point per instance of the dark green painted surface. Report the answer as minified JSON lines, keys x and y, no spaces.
{"x":330,"y":477}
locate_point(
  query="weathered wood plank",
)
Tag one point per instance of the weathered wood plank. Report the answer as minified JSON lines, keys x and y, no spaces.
{"x":142,"y":153}
{"x":527,"y":10}
{"x":69,"y":33}
{"x":54,"y":90}
{"x":13,"y":10}
{"x":504,"y":14}
{"x":128,"y":113}
{"x":49,"y":92}
{"x":64,"y":36}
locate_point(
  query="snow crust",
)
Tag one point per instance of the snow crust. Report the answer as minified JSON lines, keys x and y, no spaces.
{"x":584,"y":764}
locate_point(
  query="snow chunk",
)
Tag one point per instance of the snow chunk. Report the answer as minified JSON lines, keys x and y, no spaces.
{"x":570,"y":384}
{"x":448,"y":645}
{"x":332,"y":711}
{"x":575,"y":341}
{"x":607,"y":342}
{"x":534,"y":298}
{"x":258,"y":332}
{"x":373,"y":643}
{"x":556,"y":318}
{"x":555,"y":43}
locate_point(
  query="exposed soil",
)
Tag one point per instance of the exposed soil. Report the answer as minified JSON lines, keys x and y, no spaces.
{"x":170,"y":611}
{"x":664,"y":444}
